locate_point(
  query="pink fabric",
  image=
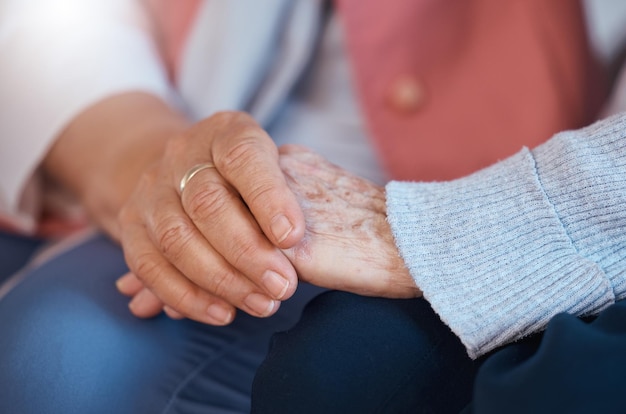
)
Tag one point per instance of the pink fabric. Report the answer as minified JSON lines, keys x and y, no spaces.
{"x":491,"y":76}
{"x":497,"y":75}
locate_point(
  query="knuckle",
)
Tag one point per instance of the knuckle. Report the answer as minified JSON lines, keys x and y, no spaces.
{"x":244,"y":159}
{"x":239,"y":154}
{"x":223,"y":117}
{"x":223,"y":121}
{"x":172,"y":235}
{"x":207,"y":203}
{"x":183,"y":301}
{"x":146,"y":268}
{"x":261,"y":193}
{"x":221,"y":284}
{"x":244,"y":251}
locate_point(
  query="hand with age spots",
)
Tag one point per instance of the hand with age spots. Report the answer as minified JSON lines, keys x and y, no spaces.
{"x":348,"y":244}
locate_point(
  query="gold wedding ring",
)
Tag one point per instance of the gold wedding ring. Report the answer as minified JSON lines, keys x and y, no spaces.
{"x":191,"y":172}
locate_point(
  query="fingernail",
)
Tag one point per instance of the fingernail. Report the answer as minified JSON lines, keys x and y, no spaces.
{"x":275,"y":284}
{"x":260,"y":304}
{"x":172,"y":313}
{"x":138,"y":302}
{"x":220,"y":313}
{"x":122,"y":283}
{"x":281,"y":227}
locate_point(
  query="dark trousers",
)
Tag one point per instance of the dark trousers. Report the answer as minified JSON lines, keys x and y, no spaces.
{"x":352,"y":354}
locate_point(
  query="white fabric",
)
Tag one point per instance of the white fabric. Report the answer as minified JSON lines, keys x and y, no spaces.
{"x":323,"y":113}
{"x":59,"y":57}
{"x":226,"y":53}
{"x":606,"y":26}
{"x":617,"y":103}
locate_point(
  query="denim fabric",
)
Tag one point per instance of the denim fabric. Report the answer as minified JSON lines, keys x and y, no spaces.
{"x":14,"y":252}
{"x":68,"y":344}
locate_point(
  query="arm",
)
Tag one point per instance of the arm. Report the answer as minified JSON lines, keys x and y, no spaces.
{"x":500,"y":252}
{"x":105,"y":149}
{"x":59,"y":57}
{"x":347,"y":243}
{"x":497,"y":253}
{"x":175,"y":245}
{"x":109,"y":137}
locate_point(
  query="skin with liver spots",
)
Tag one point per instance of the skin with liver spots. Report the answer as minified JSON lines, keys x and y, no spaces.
{"x":348,"y":244}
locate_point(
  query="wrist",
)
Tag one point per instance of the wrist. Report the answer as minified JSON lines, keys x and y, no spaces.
{"x":104,"y":151}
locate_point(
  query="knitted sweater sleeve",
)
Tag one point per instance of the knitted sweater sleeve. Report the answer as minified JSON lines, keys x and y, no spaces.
{"x":500,"y":252}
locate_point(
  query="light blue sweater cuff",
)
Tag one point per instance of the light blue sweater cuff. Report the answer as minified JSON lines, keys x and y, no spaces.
{"x":500,"y":252}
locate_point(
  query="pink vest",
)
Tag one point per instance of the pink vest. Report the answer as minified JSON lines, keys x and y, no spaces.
{"x":451,"y":86}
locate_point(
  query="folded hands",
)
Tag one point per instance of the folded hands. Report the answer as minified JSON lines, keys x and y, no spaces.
{"x":241,"y":234}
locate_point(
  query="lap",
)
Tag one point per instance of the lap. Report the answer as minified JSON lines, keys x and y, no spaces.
{"x":367,"y":355}
{"x":70,"y":345}
{"x":371,"y":355}
{"x":14,"y":252}
{"x":576,"y":366}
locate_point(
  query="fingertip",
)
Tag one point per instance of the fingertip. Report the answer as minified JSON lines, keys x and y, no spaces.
{"x":145,"y":304}
{"x":274,"y":308}
{"x":292,"y":276}
{"x":220,"y":314}
{"x":128,"y":284}
{"x":172,"y":313}
{"x":281,"y":228}
{"x":287,"y":231}
{"x":280,"y":286}
{"x":293,"y":286}
{"x":259,"y":305}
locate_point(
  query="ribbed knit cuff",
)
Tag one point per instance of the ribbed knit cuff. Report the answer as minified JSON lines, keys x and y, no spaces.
{"x":583,"y":174}
{"x":493,"y":252}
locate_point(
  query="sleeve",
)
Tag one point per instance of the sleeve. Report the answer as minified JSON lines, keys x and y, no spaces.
{"x":500,"y":252}
{"x":58,"y":58}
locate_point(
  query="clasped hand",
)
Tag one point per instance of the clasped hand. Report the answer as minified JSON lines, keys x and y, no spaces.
{"x":241,"y":233}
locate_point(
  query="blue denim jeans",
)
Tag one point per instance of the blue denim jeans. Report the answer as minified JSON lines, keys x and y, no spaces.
{"x":14,"y":252}
{"x":68,"y":344}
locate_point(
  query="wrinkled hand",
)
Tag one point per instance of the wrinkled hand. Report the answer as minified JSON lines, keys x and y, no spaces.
{"x":348,"y":244}
{"x":215,"y":247}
